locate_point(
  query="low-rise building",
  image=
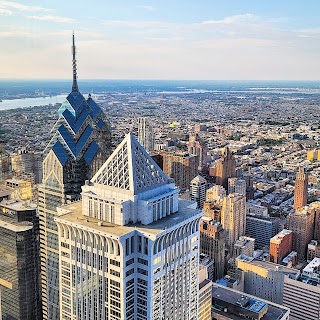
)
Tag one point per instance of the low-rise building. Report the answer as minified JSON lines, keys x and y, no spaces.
{"x":228,"y":303}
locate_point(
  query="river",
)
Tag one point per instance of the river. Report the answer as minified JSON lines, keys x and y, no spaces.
{"x":31,"y":102}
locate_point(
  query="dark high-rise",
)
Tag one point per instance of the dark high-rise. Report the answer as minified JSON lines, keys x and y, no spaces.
{"x":19,"y":261}
{"x":80,"y":144}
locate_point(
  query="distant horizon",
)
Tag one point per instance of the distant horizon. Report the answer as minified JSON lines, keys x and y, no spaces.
{"x":150,"y":79}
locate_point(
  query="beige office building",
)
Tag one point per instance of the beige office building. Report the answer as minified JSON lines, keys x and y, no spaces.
{"x":302,"y":225}
{"x":233,"y":218}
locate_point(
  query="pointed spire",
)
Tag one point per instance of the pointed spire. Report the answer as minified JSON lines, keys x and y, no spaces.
{"x":74,"y":66}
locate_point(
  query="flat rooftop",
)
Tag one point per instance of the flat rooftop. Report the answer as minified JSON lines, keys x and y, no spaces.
{"x":19,"y":227}
{"x":279,"y":237}
{"x":268,"y":265}
{"x":74,"y":217}
{"x":275,"y":311}
{"x":312,"y":266}
{"x":18,"y":205}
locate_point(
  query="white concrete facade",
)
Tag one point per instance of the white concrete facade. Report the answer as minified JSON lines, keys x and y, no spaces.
{"x":129,"y":252}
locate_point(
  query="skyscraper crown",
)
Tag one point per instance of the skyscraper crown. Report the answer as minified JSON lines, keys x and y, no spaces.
{"x":75,"y":132}
{"x":130,"y":168}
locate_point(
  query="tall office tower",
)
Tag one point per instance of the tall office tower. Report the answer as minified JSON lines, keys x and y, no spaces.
{"x":226,"y":168}
{"x":316,"y":207}
{"x":182,"y":167}
{"x":233,"y":218}
{"x":198,"y":188}
{"x":19,"y":261}
{"x":301,"y":189}
{"x":302,"y":225}
{"x":236,"y":185}
{"x":302,"y":293}
{"x":216,"y":193}
{"x":145,"y":134}
{"x":25,"y":163}
{"x":79,"y":145}
{"x":130,"y":248}
{"x":262,"y":229}
{"x":197,"y":147}
{"x":280,"y":245}
{"x":264,"y":279}
{"x":5,"y":163}
{"x":213,"y":242}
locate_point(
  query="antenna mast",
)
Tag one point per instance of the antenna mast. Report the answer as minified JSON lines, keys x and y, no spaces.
{"x":74,"y":66}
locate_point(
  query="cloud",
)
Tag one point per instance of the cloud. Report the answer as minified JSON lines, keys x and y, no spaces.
{"x":242,"y":18}
{"x":16,"y":33}
{"x":147,"y":8}
{"x":51,"y":18}
{"x":7,"y":5}
{"x":5,"y":12}
{"x":139,"y":23}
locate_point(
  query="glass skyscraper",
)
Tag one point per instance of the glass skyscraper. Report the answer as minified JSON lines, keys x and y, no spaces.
{"x":80,"y":144}
{"x":19,"y":261}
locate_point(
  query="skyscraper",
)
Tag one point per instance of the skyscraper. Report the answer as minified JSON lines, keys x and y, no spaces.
{"x":301,"y":189}
{"x":79,"y":145}
{"x":145,"y":134}
{"x":130,"y":249}
{"x":19,"y":261}
{"x":226,"y":168}
{"x":213,"y":243}
{"x":316,"y":207}
{"x":233,"y":218}
{"x":302,"y":225}
{"x":197,"y":147}
{"x":182,"y":167}
{"x":198,"y":187}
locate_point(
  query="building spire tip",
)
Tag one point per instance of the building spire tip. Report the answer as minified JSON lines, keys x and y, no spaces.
{"x":74,"y":66}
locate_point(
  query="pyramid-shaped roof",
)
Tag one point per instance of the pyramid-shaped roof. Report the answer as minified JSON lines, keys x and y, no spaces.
{"x":130,"y":167}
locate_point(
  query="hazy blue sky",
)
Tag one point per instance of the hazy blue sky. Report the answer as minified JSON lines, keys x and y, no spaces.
{"x":225,"y":39}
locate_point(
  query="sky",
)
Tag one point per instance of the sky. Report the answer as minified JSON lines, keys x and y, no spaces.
{"x":190,"y":40}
